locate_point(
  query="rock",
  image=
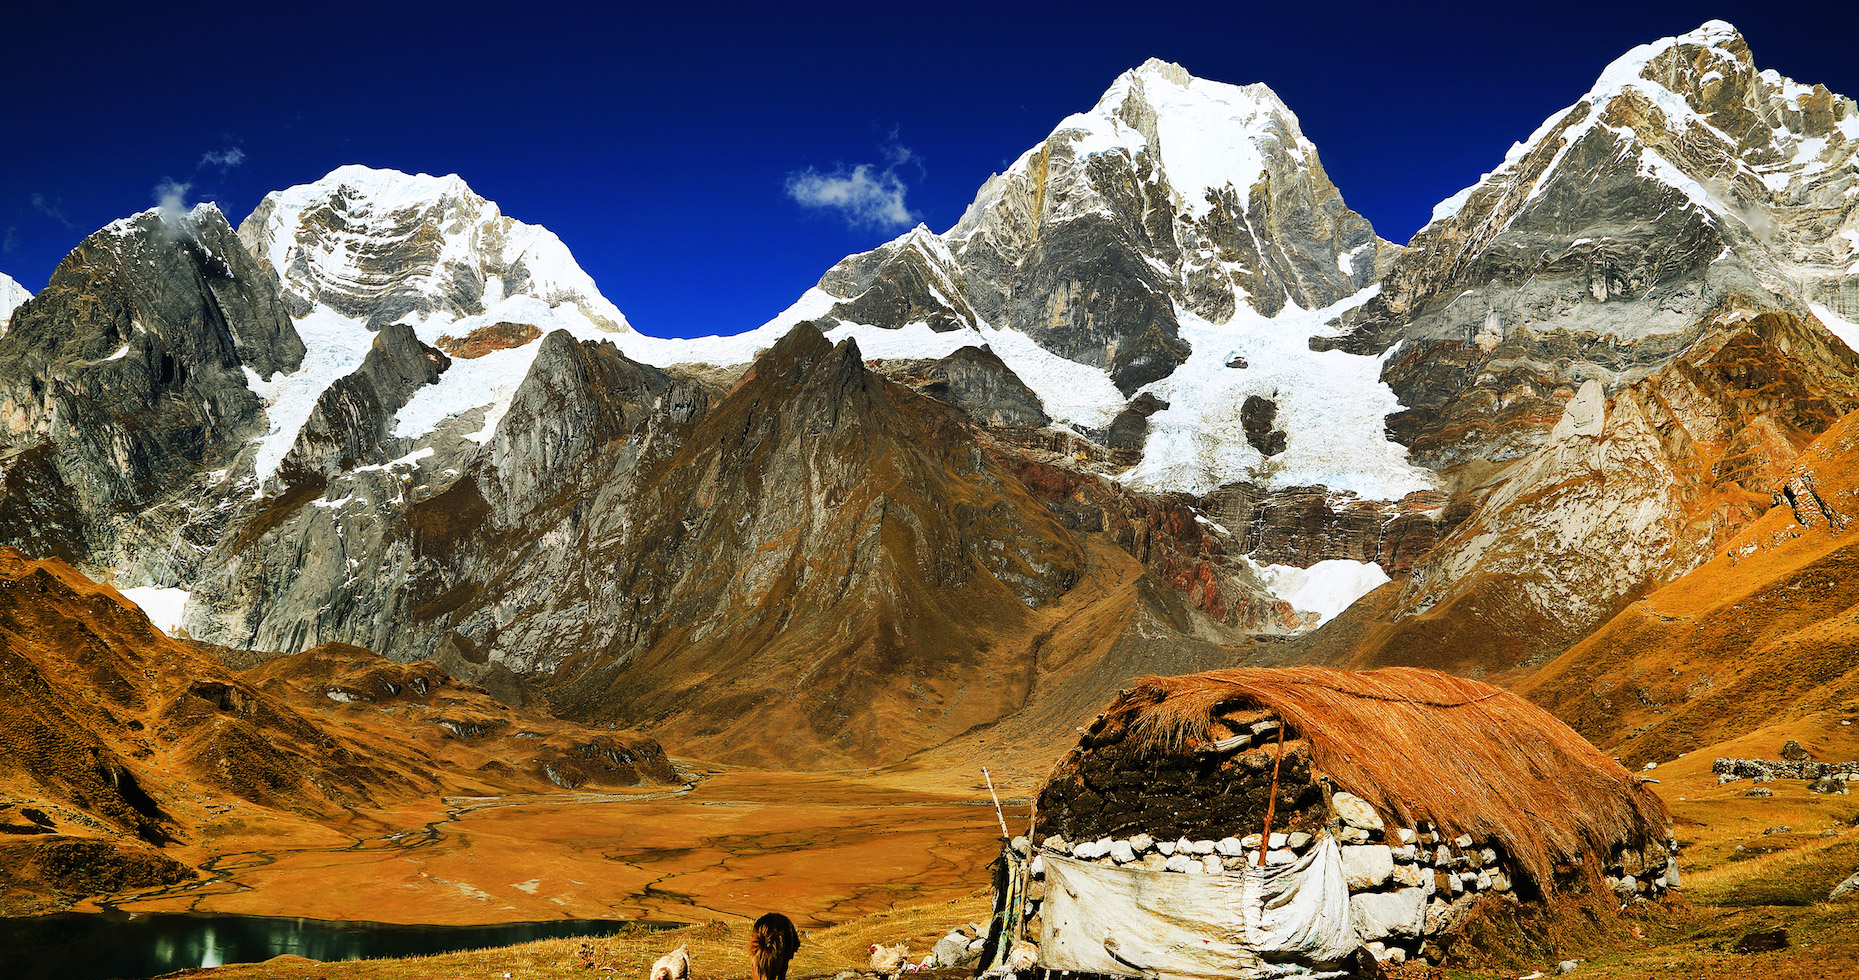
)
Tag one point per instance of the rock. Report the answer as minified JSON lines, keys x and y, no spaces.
{"x":1794,"y":751}
{"x":1038,"y":866}
{"x":1487,"y":857}
{"x":1228,"y":847}
{"x":1297,"y":841}
{"x":1356,"y":812}
{"x":1237,"y":863}
{"x":1202,"y":848}
{"x":1154,"y":861}
{"x":1352,"y":835}
{"x":950,"y":951}
{"x":1395,"y":956}
{"x":1725,"y":777}
{"x":1760,"y":791}
{"x":1378,"y":915}
{"x":1568,"y":966}
{"x":1212,"y":864}
{"x":1405,"y":854}
{"x":1848,"y":887}
{"x":1121,"y":852}
{"x":1626,"y":888}
{"x":1500,"y":881}
{"x":1141,"y":843}
{"x":1833,"y":785}
{"x":1056,"y":842}
{"x":1021,"y":846}
{"x":1463,"y":842}
{"x":1410,"y":876}
{"x":1762,"y":942}
{"x":1181,"y":863}
{"x":1367,"y":866}
{"x":1771,"y":831}
{"x":1405,"y":835}
{"x":1277,"y":858}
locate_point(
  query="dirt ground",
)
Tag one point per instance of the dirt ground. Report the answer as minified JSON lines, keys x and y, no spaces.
{"x":820,"y":848}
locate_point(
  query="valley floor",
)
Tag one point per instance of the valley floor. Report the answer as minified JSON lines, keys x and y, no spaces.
{"x":885,"y":866}
{"x":820,"y":848}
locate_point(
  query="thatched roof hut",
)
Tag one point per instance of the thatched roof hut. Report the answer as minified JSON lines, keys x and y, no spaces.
{"x":1435,"y":789}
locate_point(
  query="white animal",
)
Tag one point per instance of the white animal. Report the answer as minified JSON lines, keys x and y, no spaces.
{"x":890,"y":961}
{"x":675,"y":965}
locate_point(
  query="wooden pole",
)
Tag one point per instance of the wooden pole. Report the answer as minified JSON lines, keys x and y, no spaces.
{"x":998,"y":815}
{"x":1271,"y":802}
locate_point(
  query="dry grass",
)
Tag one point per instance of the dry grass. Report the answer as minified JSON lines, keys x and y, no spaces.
{"x":1425,"y":746}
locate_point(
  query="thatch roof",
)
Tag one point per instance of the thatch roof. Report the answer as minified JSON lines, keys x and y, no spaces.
{"x":1421,"y":745}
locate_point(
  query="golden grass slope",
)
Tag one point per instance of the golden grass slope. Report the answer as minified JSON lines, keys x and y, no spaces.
{"x":1765,"y":632}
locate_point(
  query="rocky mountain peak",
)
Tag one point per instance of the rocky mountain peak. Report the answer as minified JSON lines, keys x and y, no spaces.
{"x":381,"y":245}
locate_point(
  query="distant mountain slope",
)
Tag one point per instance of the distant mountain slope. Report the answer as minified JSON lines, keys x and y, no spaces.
{"x":1761,"y":634}
{"x":120,"y":738}
{"x":1611,"y":346}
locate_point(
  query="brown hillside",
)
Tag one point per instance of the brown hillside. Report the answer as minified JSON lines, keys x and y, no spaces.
{"x":1765,"y":632}
{"x":117,"y":738}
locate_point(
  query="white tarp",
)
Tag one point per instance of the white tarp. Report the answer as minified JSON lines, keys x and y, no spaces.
{"x":1130,"y":922}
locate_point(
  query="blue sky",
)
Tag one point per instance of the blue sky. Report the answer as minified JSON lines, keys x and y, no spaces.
{"x":664,"y":145}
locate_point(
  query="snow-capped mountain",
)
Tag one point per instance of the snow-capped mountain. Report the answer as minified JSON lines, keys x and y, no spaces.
{"x":1683,"y":177}
{"x":12,"y":297}
{"x":1178,"y":241}
{"x":1617,"y":340}
{"x":363,"y":248}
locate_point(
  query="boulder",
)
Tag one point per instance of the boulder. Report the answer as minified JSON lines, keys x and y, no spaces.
{"x":1378,"y":915}
{"x":1228,"y":847}
{"x":1141,"y":843}
{"x":1367,"y":866}
{"x":1356,"y":812}
{"x":1848,"y":887}
{"x":1829,"y":784}
{"x":1180,"y":863}
{"x":1121,"y":852}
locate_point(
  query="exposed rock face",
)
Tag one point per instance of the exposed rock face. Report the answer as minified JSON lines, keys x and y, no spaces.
{"x":846,"y":550}
{"x":378,"y":246}
{"x":1065,"y":245}
{"x":353,"y":418}
{"x":974,"y":380}
{"x":131,"y":369}
{"x":1685,"y":177}
{"x":1627,"y":494}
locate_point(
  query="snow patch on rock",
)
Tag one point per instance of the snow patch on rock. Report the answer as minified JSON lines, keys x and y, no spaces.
{"x":162,"y":606}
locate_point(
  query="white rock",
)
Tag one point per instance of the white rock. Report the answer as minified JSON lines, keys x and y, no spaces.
{"x":1121,"y":852}
{"x":1229,"y":847}
{"x":1154,"y":862}
{"x":1487,"y":857}
{"x":1463,"y":842}
{"x":1141,"y":843}
{"x":1297,"y":841}
{"x":1405,"y":854}
{"x":1180,"y":863}
{"x":1405,"y":835}
{"x":1165,"y":848}
{"x":1206,"y":847}
{"x":1367,"y":866}
{"x":1038,"y":866}
{"x":1211,"y":864}
{"x":1356,"y":811}
{"x":1275,"y":858}
{"x":1483,"y":881}
{"x":1410,"y":876}
{"x":1377,"y":915}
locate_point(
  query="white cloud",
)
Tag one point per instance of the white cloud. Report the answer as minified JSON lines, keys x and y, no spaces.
{"x":171,"y":194}
{"x":225,"y":159}
{"x":865,"y":195}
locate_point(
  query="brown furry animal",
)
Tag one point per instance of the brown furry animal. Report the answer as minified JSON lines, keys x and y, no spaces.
{"x":771,"y":945}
